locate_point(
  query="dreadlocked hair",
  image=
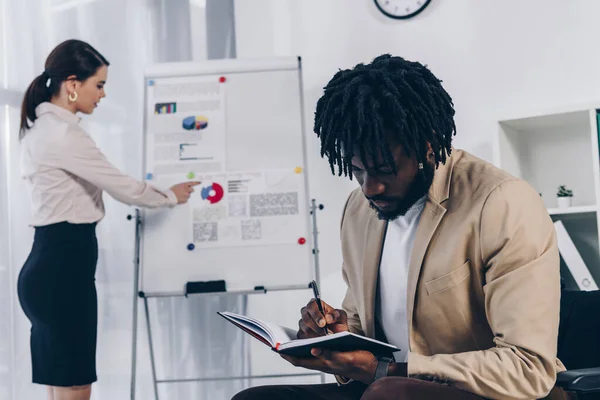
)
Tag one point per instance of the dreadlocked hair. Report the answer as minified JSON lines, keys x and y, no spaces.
{"x":360,"y":107}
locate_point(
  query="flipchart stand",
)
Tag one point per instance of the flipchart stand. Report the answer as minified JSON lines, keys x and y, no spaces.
{"x":257,"y":290}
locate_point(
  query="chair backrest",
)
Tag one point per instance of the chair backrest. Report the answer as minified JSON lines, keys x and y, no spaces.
{"x":579,"y":331}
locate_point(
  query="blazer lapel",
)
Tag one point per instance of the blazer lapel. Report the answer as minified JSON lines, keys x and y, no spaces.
{"x":431,"y":217}
{"x":371,"y":259}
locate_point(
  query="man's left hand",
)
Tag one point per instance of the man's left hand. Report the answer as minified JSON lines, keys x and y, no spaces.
{"x":359,"y":365}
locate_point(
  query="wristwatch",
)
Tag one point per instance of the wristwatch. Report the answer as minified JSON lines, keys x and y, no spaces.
{"x":383,"y":364}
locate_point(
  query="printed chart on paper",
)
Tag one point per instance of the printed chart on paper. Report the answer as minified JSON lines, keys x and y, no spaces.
{"x":186,"y":131}
{"x":247,"y":208}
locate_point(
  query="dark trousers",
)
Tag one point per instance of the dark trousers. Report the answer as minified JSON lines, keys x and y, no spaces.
{"x":391,"y":388}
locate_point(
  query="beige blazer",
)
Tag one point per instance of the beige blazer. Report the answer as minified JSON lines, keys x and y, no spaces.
{"x":483,"y":291}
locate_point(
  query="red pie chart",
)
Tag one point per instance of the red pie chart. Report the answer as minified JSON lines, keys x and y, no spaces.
{"x":213,"y":193}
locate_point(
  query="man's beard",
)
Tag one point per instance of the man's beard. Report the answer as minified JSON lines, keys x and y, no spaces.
{"x":418,"y":189}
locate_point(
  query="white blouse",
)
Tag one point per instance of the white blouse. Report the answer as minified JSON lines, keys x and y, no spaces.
{"x":67,"y":173}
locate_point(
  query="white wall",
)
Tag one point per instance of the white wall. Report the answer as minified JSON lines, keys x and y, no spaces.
{"x":495,"y":58}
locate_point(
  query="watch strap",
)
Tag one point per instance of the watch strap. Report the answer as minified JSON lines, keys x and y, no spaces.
{"x":383,"y":363}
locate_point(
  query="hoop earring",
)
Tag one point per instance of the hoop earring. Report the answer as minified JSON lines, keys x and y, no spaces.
{"x":73,"y":97}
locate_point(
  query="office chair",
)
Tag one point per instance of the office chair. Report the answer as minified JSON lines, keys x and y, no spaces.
{"x":579,"y":344}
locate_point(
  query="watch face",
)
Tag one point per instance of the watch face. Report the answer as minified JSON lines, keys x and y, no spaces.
{"x":401,"y":9}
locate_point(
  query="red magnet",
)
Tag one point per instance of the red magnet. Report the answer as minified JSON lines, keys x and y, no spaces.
{"x":222,"y":79}
{"x":301,"y":241}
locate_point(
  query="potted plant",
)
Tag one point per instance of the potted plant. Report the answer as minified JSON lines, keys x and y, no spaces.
{"x":564,"y":196}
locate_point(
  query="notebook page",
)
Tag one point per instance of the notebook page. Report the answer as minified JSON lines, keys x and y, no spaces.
{"x":274,"y":333}
{"x":251,"y":325}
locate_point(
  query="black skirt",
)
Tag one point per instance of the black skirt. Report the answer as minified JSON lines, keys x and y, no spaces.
{"x":57,"y":292}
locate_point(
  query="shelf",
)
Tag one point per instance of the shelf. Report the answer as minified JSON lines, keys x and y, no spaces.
{"x":546,"y":122}
{"x":572,"y":210}
{"x":527,"y":149}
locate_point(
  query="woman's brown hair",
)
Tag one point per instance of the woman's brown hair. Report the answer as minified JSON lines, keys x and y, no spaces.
{"x":72,"y":58}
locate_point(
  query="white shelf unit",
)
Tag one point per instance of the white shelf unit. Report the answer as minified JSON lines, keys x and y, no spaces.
{"x":559,"y":147}
{"x":572,"y":210}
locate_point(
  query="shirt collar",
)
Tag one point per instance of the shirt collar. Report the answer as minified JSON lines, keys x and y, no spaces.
{"x":60,"y":112}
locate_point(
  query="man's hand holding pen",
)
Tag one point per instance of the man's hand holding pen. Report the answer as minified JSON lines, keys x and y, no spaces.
{"x":313,"y":322}
{"x":319,"y":318}
{"x":359,"y":364}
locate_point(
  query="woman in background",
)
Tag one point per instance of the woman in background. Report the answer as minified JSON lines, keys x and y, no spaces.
{"x":67,"y":174}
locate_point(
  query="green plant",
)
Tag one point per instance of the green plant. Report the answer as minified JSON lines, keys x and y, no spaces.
{"x":564,"y":192}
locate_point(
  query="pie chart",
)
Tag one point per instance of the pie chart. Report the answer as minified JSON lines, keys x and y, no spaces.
{"x":213,"y":193}
{"x":195,"y":123}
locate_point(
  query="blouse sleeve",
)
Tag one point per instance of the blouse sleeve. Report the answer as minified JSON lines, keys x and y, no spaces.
{"x":80,"y":156}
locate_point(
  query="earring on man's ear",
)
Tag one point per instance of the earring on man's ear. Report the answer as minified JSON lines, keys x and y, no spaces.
{"x":73,"y":97}
{"x":420,"y":165}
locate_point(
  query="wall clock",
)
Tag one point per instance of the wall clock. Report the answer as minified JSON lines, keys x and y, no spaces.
{"x":401,"y":9}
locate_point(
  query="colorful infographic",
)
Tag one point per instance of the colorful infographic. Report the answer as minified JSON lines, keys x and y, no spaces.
{"x":195,"y":123}
{"x":247,"y":208}
{"x":213,"y":193}
{"x":165,"y":108}
{"x":185,"y":125}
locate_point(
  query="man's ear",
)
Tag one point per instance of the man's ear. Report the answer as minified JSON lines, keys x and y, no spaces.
{"x":429,"y":152}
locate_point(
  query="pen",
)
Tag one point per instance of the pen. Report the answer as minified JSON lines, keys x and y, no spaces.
{"x":315,"y":289}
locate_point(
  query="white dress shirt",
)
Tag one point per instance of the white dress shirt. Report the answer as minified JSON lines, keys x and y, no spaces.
{"x":393,"y":274}
{"x":66,"y":172}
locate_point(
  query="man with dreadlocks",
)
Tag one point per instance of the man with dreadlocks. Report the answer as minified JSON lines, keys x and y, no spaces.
{"x":445,"y":256}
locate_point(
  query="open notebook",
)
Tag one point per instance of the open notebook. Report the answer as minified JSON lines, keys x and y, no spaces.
{"x":283,"y":340}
